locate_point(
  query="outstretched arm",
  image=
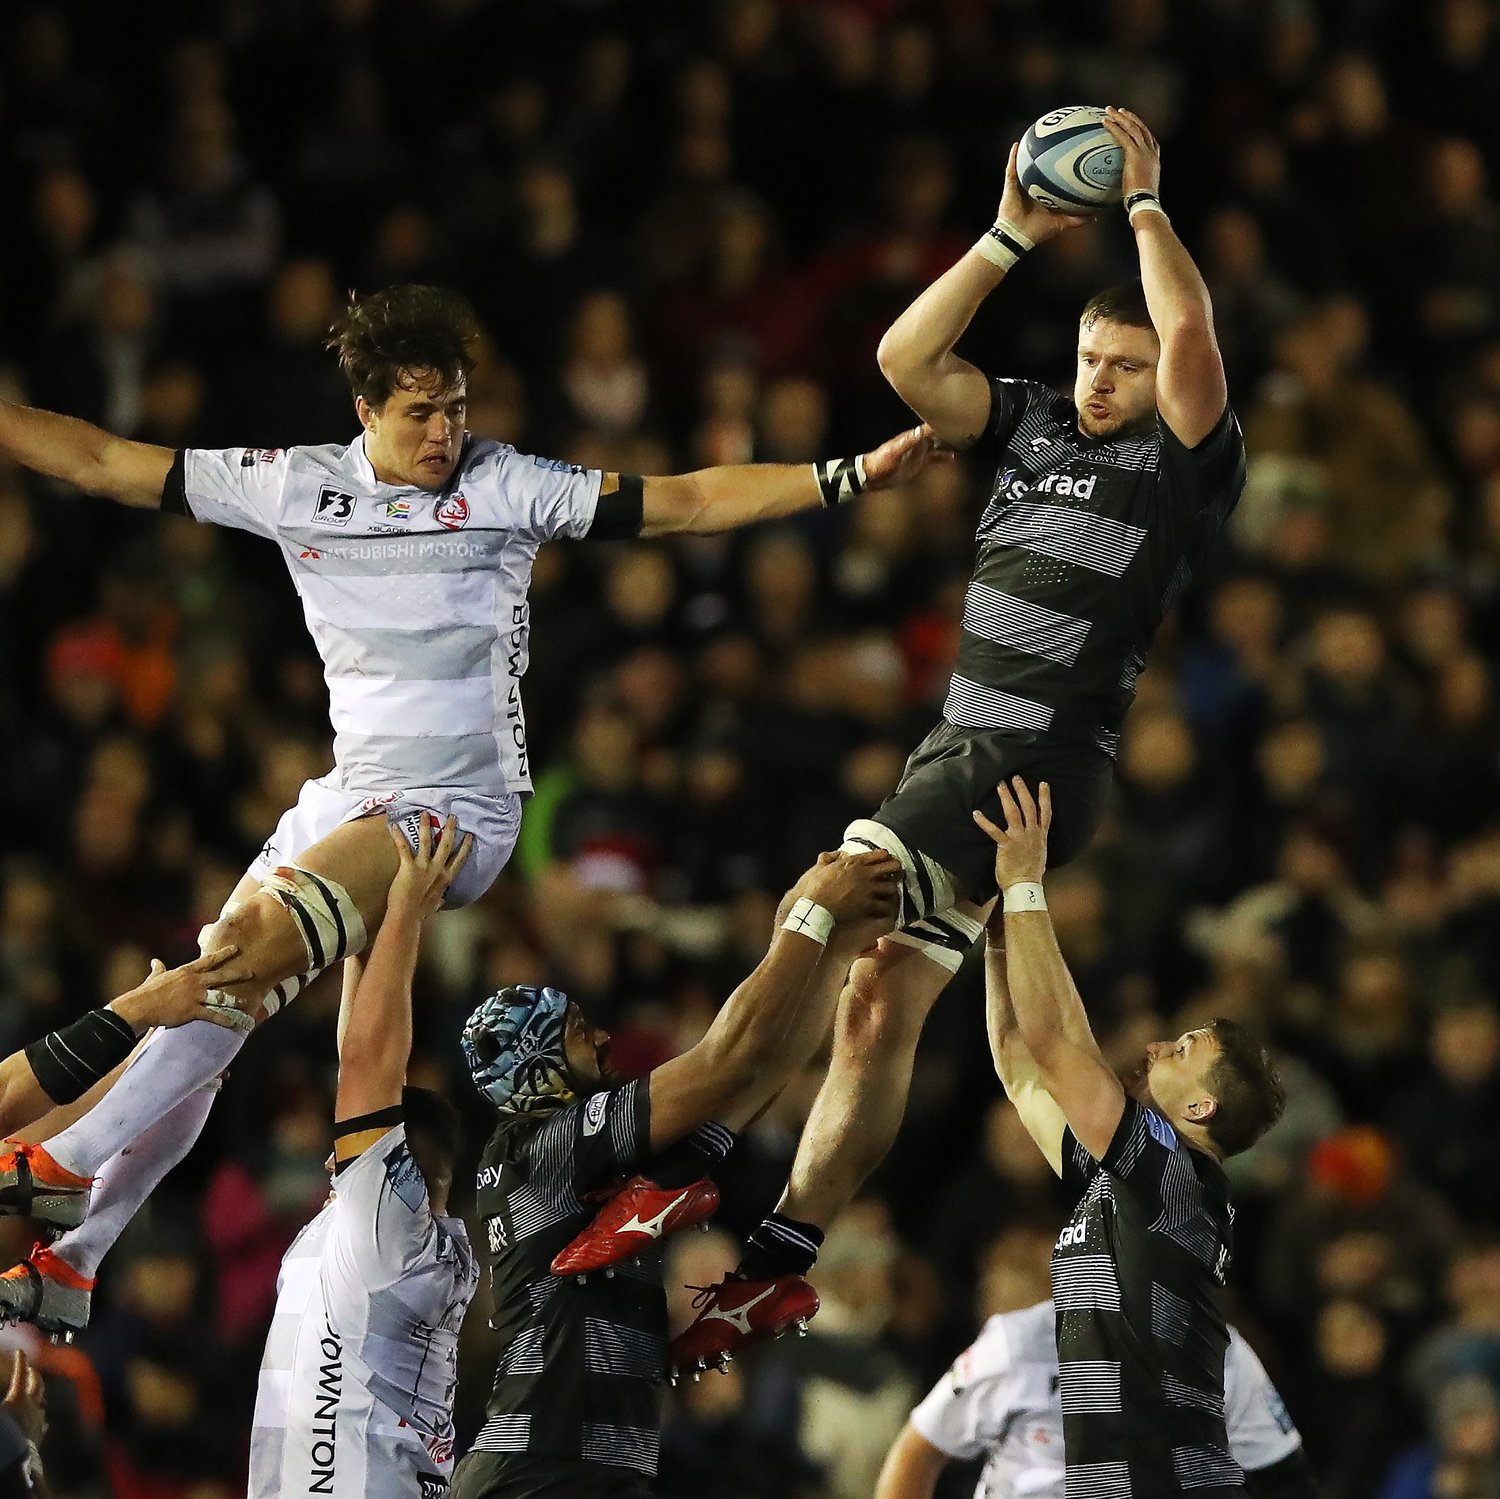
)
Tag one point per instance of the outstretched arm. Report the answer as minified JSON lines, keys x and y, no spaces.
{"x":1048,"y":1012}
{"x":916,"y":355}
{"x":78,"y":453}
{"x":721,"y":499}
{"x":1191,"y":391}
{"x":375,"y":1023}
{"x":773,"y":1022}
{"x":1019,"y":1075}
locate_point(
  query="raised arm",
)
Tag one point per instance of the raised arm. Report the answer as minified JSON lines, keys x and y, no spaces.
{"x":771,"y":1025}
{"x":1049,"y":1015}
{"x":375,"y":1026}
{"x":1019,"y":1075}
{"x":1191,"y":391}
{"x":83,"y":455}
{"x":916,"y":355}
{"x":721,"y":499}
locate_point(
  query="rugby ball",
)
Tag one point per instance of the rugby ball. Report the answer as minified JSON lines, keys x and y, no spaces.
{"x":1069,"y":162}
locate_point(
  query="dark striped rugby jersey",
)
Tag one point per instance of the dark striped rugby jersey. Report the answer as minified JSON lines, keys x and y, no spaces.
{"x":575,"y":1389}
{"x":1141,"y":1338}
{"x":1083,"y":548}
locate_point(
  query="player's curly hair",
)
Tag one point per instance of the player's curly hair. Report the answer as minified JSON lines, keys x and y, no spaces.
{"x":385,"y":336}
{"x":1246,"y":1087}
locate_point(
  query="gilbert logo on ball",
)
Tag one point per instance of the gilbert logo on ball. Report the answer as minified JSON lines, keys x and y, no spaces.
{"x":1068,"y":160}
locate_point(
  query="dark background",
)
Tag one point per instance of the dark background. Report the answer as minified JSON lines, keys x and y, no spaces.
{"x":685,"y":226}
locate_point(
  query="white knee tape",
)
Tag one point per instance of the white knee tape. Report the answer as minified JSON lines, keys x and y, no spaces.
{"x":945,"y":938}
{"x":327,"y":918}
{"x":926,"y":886}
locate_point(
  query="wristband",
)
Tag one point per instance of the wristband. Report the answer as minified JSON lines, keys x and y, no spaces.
{"x":1002,"y":244}
{"x":33,"y":1463}
{"x":1143,"y":201}
{"x":1025,"y":896}
{"x":808,"y":919}
{"x":840,"y":480}
{"x":70,"y":1060}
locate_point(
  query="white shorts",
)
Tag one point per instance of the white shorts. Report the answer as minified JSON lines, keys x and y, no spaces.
{"x":495,"y":822}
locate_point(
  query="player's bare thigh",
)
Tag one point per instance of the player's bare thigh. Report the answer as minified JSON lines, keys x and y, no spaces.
{"x":356,"y":855}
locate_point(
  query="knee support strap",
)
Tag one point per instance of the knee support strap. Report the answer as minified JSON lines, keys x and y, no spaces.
{"x":327,"y":918}
{"x":945,"y":938}
{"x":926,"y":887}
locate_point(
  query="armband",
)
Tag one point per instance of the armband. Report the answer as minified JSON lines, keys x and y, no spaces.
{"x":808,"y":919}
{"x":70,"y":1060}
{"x":1026,"y":896}
{"x":1003,"y":244}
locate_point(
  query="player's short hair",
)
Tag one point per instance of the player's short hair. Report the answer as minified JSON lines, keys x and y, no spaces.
{"x":384,"y":334}
{"x":1246,"y":1087}
{"x":433,"y":1127}
{"x":1124,"y":302}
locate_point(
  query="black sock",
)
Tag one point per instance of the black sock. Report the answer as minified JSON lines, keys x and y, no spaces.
{"x":694,"y":1157}
{"x":780,"y":1246}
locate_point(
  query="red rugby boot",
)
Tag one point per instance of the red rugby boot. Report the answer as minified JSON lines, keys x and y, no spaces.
{"x":635,"y":1218}
{"x":736,"y":1313}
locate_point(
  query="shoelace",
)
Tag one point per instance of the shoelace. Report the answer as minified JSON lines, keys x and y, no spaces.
{"x":705,"y":1293}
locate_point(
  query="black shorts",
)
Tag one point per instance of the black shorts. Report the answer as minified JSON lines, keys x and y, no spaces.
{"x":954,"y":772}
{"x":508,"y":1475}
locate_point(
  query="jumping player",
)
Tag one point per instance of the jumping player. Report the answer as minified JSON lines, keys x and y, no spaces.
{"x":1141,"y":1340}
{"x":1100,"y":510}
{"x":575,"y":1407}
{"x":1000,"y":1401}
{"x":411,"y":549}
{"x":360,"y":1366}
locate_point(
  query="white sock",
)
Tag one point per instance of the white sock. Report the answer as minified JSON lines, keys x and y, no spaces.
{"x":170,"y":1066}
{"x":129,"y":1177}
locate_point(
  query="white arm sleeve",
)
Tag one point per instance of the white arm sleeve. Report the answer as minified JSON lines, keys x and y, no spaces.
{"x":973,"y":1399}
{"x":239,"y":487}
{"x":382,"y":1220}
{"x":542,"y":496}
{"x":1260,"y":1427}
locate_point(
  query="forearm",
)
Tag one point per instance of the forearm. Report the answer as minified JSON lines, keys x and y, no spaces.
{"x":761,"y":1017}
{"x":1046,"y":1005}
{"x":377,"y":1029}
{"x":920,"y":342}
{"x":912,"y":1467}
{"x":63,"y":447}
{"x":1176,"y":294}
{"x":711,"y":500}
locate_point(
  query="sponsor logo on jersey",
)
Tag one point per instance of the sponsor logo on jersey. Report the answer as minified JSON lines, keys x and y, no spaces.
{"x":1015,"y":486}
{"x":307,"y":553}
{"x":251,"y":456}
{"x":325,"y":1412}
{"x":593,"y":1114}
{"x":411,"y":825}
{"x":489,"y":1177}
{"x":396,"y":509}
{"x":558,"y":465}
{"x":495,"y":1233}
{"x":452,"y":512}
{"x":405,"y":1179}
{"x":1072,"y":1234}
{"x":334,"y":507}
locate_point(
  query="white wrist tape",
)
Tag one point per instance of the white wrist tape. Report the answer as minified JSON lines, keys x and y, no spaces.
{"x":1003,"y":244}
{"x":1144,"y":202}
{"x":808,"y":919}
{"x":1026,"y":896}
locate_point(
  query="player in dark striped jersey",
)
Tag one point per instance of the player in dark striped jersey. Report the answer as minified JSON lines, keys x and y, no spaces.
{"x":1141,"y":1338}
{"x":1101,"y":507}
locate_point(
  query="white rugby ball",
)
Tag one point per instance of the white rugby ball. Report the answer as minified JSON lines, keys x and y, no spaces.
{"x":1069,"y":162}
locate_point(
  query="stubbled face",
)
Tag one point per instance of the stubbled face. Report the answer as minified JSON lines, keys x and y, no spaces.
{"x":1115,"y":386}
{"x":587,"y":1050}
{"x":1174,"y":1074}
{"x":415,"y":438}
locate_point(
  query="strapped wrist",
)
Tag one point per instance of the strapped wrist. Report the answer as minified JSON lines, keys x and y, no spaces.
{"x":840,"y":480}
{"x":1003,"y":244}
{"x":808,"y":919}
{"x":1024,"y":895}
{"x":1143,"y":200}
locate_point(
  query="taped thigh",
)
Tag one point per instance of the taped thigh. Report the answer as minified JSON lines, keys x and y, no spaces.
{"x":327,"y":919}
{"x":926,"y":887}
{"x":945,"y":938}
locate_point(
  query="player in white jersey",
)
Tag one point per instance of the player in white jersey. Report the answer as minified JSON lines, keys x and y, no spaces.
{"x":1000,"y":1401}
{"x":357,"y":1380}
{"x":412,"y":549}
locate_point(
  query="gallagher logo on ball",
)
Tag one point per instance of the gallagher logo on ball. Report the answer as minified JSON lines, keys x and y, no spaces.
{"x":452,"y":512}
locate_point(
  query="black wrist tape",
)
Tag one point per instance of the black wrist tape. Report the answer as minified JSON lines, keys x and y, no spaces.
{"x":379,"y":1119}
{"x":839,"y":480}
{"x":69,"y":1061}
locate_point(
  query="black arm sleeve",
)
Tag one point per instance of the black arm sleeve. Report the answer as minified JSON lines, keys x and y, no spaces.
{"x":174,"y":491}
{"x":68,"y":1062}
{"x":1291,"y":1478}
{"x":620,"y":516}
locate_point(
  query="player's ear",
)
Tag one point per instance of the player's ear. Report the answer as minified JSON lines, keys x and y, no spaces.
{"x":368,"y":415}
{"x":1201,"y":1110}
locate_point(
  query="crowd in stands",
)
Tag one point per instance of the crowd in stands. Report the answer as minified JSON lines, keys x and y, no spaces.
{"x":685,"y":225}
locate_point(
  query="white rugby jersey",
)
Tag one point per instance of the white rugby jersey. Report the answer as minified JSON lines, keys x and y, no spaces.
{"x":1001,"y":1399}
{"x":416,"y":600}
{"x":357,"y":1380}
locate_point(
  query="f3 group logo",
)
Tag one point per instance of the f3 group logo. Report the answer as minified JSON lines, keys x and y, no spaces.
{"x":452,"y":512}
{"x":335,"y":506}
